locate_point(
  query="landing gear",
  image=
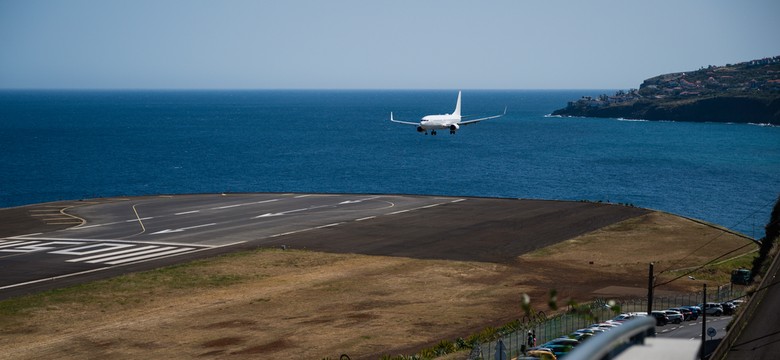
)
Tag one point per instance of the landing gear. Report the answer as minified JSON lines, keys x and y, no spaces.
{"x":433,"y":132}
{"x":452,"y":132}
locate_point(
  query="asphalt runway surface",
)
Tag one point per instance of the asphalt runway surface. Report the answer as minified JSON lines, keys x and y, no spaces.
{"x":52,"y":245}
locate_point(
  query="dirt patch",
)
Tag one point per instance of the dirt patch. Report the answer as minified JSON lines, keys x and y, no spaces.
{"x":231,"y":324}
{"x":225,"y":341}
{"x":274,"y":346}
{"x":316,"y":305}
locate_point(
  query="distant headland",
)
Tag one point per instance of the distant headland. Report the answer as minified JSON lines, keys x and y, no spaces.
{"x":747,"y":92}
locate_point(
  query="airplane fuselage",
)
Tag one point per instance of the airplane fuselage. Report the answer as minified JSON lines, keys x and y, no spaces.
{"x":435,"y":122}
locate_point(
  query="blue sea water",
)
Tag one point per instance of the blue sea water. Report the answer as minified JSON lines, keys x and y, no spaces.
{"x":57,"y":145}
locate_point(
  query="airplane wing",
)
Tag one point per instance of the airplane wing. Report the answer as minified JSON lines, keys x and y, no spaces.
{"x":403,"y":122}
{"x":480,"y":119}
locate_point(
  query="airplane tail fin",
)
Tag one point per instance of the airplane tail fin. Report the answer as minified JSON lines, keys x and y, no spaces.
{"x":457,"y":107}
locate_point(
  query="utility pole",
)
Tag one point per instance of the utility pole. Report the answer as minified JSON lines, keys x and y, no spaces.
{"x":703,"y":321}
{"x":650,"y":290}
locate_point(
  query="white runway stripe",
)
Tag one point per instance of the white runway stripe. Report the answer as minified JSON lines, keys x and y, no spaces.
{"x":17,"y":243}
{"x":106,"y":252}
{"x":113,"y":253}
{"x":10,"y":243}
{"x":169,"y":252}
{"x":108,"y":260}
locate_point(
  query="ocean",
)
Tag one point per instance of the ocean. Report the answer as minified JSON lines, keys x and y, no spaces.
{"x":66,"y":145}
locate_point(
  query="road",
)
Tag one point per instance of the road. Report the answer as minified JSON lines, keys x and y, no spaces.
{"x":106,"y":237}
{"x":692,"y":329}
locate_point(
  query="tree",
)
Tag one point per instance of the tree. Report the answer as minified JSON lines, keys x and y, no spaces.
{"x":771,"y":234}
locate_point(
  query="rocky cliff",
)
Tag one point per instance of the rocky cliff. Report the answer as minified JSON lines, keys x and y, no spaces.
{"x":747,"y":92}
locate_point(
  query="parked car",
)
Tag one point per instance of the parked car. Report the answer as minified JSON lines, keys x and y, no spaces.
{"x":543,"y":354}
{"x":559,"y":350}
{"x":712,"y":309}
{"x":695,"y":310}
{"x":675,"y":317}
{"x":687,"y":313}
{"x":581,"y":336}
{"x":622,"y":317}
{"x":594,"y":330}
{"x":605,"y":325}
{"x":559,"y":347}
{"x":728,"y":307}
{"x":660,"y":318}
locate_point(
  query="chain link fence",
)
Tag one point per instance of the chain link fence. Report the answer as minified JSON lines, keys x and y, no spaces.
{"x":543,"y":328}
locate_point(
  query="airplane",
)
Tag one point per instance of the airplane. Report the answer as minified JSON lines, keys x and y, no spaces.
{"x":447,"y":121}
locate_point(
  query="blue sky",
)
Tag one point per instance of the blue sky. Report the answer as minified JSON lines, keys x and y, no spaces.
{"x":354,"y":44}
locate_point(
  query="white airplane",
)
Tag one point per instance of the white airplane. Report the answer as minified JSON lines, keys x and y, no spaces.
{"x":446,"y":121}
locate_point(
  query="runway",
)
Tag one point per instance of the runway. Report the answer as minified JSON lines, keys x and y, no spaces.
{"x":101,"y":238}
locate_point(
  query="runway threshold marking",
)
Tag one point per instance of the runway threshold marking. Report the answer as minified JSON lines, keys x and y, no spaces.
{"x":110,"y":253}
{"x":123,"y":262}
{"x":11,"y":243}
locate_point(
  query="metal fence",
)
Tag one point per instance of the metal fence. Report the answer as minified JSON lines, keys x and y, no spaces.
{"x":545,"y":328}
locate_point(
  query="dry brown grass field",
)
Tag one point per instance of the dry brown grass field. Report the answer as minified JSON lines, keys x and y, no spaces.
{"x":295,"y":304}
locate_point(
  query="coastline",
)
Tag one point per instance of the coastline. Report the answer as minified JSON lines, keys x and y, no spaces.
{"x":720,"y":109}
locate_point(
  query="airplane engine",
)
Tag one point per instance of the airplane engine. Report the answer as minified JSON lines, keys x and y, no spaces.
{"x":420,"y":129}
{"x":454,"y":127}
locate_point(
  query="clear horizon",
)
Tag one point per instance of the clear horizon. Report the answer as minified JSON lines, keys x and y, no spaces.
{"x":384,"y":45}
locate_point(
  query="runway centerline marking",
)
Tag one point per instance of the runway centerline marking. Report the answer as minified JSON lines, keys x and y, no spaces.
{"x":168,"y":231}
{"x":328,"y":225}
{"x":289,"y":211}
{"x":400,"y":212}
{"x":187,"y":212}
